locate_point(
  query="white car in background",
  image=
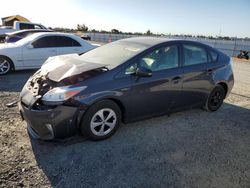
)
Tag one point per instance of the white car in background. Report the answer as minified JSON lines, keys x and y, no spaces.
{"x":32,"y":51}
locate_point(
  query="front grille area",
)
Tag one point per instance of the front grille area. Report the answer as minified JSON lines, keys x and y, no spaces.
{"x":38,"y":86}
{"x":38,"y":105}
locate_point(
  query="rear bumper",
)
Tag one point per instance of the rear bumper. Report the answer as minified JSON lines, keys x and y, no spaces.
{"x":230,"y":84}
{"x":230,"y":87}
{"x":59,"y":122}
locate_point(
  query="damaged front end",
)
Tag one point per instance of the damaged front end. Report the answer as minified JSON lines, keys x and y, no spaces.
{"x":46,"y":101}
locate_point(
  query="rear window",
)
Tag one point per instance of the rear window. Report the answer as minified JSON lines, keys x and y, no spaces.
{"x":62,"y":41}
{"x":26,"y":26}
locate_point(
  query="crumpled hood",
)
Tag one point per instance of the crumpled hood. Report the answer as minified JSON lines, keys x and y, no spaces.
{"x":60,"y":67}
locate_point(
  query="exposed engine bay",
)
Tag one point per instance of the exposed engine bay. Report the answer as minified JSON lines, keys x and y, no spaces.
{"x":61,"y":71}
{"x":40,"y":84}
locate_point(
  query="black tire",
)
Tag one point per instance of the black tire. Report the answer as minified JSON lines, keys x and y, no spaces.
{"x":5,"y":65}
{"x":215,"y":99}
{"x":86,"y":128}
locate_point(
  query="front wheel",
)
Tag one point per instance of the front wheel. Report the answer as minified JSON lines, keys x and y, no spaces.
{"x":5,"y":65}
{"x":215,"y":99}
{"x":101,"y":120}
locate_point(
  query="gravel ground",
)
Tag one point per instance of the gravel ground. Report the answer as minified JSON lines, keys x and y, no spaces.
{"x":188,"y":149}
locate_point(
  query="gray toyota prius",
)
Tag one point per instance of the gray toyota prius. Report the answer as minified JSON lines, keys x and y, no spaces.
{"x":123,"y":81}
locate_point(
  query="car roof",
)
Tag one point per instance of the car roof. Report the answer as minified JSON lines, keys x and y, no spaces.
{"x":35,"y":35}
{"x":40,"y":34}
{"x":43,"y":34}
{"x":148,"y":42}
{"x":29,"y":30}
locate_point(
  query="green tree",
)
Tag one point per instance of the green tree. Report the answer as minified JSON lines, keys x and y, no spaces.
{"x":82,"y":27}
{"x":94,"y":31}
{"x":148,"y":32}
{"x":116,"y":31}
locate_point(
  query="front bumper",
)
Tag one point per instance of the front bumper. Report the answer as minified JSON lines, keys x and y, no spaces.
{"x":59,"y":122}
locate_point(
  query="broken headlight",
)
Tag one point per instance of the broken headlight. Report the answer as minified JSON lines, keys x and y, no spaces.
{"x":58,"y":95}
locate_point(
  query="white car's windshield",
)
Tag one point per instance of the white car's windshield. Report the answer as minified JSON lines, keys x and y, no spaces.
{"x":28,"y":39}
{"x":113,"y":54}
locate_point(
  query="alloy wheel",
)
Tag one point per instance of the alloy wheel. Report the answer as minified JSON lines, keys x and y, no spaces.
{"x":4,"y":66}
{"x":216,"y":99}
{"x":103,"y":122}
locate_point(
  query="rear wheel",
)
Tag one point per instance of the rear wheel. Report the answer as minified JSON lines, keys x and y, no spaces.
{"x":101,"y":120}
{"x":5,"y":65}
{"x":215,"y":99}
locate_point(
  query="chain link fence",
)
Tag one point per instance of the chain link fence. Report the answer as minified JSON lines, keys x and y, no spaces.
{"x":230,"y":47}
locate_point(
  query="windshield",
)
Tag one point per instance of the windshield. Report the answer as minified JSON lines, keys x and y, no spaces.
{"x":27,"y":39}
{"x":113,"y":54}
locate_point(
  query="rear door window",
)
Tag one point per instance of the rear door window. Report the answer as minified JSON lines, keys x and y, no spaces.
{"x":194,"y":55}
{"x":62,"y":41}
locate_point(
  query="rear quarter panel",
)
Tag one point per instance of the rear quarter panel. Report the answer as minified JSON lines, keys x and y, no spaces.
{"x":224,"y":72}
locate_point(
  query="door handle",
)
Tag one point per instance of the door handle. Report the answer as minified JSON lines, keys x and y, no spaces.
{"x":176,"y":79}
{"x":209,"y":71}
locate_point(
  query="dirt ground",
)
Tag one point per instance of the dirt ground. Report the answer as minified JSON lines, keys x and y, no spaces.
{"x":188,"y":149}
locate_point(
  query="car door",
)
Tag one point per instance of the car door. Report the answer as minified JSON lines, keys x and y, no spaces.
{"x":197,"y":74}
{"x":67,"y":45}
{"x":155,"y":95}
{"x":38,"y":51}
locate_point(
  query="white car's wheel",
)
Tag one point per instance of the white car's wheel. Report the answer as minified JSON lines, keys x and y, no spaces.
{"x":5,"y":65}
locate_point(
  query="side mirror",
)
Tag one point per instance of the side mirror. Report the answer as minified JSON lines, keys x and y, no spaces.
{"x":30,"y":46}
{"x":143,"y":72}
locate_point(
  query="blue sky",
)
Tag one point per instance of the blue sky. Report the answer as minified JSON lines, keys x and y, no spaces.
{"x":203,"y":17}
